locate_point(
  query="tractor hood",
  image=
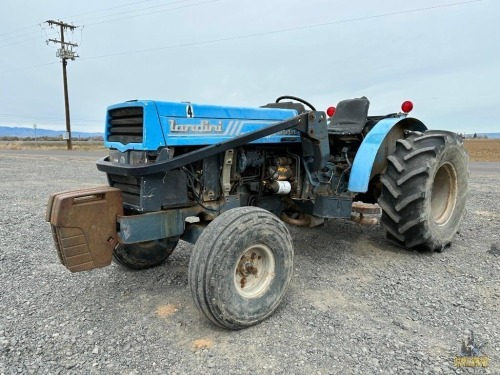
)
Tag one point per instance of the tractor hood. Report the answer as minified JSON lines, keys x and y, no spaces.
{"x":150,"y":125}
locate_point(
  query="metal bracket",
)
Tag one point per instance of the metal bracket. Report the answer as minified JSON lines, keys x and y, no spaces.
{"x":226,"y":171}
{"x":316,"y":130}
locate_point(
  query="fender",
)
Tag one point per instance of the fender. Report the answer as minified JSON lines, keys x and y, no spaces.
{"x":372,"y":153}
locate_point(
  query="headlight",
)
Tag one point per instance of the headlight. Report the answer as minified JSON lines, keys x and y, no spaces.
{"x":128,"y":157}
{"x":116,"y":156}
{"x":137,"y":157}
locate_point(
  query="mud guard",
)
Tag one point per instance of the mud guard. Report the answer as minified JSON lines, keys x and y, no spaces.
{"x":368,"y":153}
{"x":84,"y":226}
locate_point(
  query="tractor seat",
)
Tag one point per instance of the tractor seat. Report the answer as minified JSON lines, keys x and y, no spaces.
{"x":350,"y":117}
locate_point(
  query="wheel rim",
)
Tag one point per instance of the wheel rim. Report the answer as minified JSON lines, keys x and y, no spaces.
{"x":444,"y":194}
{"x":254,"y":271}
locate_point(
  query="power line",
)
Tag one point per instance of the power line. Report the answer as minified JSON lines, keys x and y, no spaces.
{"x":18,"y":42}
{"x":110,"y":8}
{"x":155,"y":12}
{"x":28,"y":67}
{"x":143,"y":9}
{"x":263,"y":33}
{"x":92,"y":12}
{"x":190,"y":44}
{"x":18,"y":36}
{"x":27,"y":40}
{"x":20,"y":29}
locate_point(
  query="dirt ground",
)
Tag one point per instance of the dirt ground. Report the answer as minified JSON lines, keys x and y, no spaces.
{"x":357,"y":303}
{"x":483,"y":149}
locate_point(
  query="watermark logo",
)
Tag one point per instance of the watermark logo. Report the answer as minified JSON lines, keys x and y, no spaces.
{"x":472,"y":354}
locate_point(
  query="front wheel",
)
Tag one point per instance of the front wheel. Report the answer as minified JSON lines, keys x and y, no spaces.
{"x":241,"y":267}
{"x":424,"y":189}
{"x":143,"y":255}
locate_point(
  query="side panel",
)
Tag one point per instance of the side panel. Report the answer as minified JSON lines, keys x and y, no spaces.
{"x":368,"y":152}
{"x":210,"y":124}
{"x":196,"y":131}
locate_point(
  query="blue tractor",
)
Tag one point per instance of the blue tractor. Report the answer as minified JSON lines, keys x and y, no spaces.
{"x":227,"y":178}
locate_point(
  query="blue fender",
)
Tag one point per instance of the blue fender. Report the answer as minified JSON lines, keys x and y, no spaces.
{"x":365,"y":157}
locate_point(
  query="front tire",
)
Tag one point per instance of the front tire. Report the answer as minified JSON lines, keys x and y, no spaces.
{"x":424,"y":189}
{"x":144,"y":255}
{"x":241,"y":267}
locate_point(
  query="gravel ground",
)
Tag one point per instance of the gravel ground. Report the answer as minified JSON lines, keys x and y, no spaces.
{"x":357,"y":304}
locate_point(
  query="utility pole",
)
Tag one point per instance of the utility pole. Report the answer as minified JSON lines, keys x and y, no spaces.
{"x":65,"y":53}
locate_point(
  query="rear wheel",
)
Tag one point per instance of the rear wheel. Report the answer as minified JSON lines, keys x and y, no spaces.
{"x":241,"y":267}
{"x":424,"y":189}
{"x":143,"y":255}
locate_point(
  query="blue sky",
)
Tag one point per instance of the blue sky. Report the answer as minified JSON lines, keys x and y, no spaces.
{"x":443,"y":55}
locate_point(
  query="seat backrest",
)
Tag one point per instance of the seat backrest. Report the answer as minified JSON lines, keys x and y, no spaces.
{"x":350,"y":116}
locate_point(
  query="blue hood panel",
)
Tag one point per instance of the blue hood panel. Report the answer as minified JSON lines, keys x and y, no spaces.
{"x":189,"y":124}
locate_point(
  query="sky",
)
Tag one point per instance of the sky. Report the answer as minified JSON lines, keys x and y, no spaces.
{"x":443,"y":55}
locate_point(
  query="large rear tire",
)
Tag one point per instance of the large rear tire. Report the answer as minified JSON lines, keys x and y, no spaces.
{"x":143,"y":255}
{"x":424,"y":189}
{"x":241,"y":267}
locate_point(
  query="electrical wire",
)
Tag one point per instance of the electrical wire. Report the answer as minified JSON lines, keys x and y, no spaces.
{"x":93,"y":12}
{"x":192,"y":179}
{"x":42,"y":30}
{"x":263,"y":33}
{"x":110,"y":8}
{"x":28,"y":67}
{"x":20,"y":29}
{"x":138,"y":10}
{"x":270,"y":32}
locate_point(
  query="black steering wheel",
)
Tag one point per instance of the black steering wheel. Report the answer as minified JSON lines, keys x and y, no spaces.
{"x":296,"y":99}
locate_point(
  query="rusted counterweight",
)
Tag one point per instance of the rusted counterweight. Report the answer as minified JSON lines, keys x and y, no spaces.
{"x":84,"y":226}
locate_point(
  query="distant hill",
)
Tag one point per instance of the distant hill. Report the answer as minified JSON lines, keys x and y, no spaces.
{"x":490,"y":135}
{"x":482,"y":135}
{"x":7,"y":131}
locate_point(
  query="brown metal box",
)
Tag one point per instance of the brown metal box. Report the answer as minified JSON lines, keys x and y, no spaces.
{"x":84,"y":226}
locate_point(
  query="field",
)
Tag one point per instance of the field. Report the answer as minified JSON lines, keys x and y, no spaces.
{"x":478,"y":149}
{"x":51,"y":145}
{"x":483,"y":149}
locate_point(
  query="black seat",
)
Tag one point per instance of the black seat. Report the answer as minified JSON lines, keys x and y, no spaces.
{"x":350,"y":116}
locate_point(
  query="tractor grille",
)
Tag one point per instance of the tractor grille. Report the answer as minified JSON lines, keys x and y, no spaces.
{"x":126,"y":125}
{"x":130,"y":186}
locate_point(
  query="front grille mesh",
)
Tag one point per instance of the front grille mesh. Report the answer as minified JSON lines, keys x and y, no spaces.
{"x":125,"y":125}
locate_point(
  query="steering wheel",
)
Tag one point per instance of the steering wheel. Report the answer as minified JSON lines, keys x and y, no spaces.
{"x":296,"y":99}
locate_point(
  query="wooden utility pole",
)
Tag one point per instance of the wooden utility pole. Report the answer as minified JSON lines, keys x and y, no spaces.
{"x":65,"y":53}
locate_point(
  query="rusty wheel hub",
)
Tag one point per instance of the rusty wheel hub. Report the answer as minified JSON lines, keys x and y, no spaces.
{"x":254,"y":271}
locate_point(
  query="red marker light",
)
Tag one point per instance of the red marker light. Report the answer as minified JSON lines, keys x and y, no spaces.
{"x":330,"y":111}
{"x":407,"y":106}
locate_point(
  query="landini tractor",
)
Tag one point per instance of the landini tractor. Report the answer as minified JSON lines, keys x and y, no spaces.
{"x":227,"y":179}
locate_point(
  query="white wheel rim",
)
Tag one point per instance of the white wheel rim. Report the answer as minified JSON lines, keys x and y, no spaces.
{"x":444,"y":194}
{"x":254,"y":271}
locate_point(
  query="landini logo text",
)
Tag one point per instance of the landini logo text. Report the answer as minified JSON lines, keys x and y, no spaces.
{"x":203,"y":127}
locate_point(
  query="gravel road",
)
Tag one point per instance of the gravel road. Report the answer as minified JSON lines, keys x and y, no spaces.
{"x":357,"y":304}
